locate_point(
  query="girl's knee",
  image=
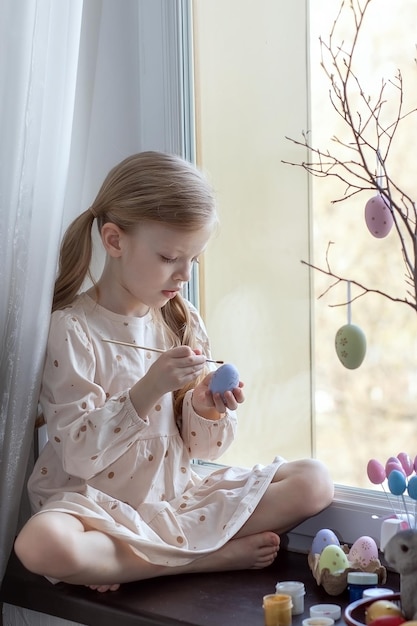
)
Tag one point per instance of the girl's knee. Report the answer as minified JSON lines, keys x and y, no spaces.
{"x":317,"y":485}
{"x":43,"y":544}
{"x":310,"y":484}
{"x":27,"y":547}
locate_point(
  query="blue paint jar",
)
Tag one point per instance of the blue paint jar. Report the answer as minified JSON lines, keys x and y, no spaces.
{"x":358,"y":582}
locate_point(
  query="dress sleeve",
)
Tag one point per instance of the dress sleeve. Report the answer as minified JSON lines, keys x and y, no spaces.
{"x":87,"y":429}
{"x":206,"y":439}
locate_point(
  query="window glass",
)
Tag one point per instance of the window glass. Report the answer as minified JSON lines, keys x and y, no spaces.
{"x":369,"y":411}
{"x":255,"y":293}
{"x":254,"y":90}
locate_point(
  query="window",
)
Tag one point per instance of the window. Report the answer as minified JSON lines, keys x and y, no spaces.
{"x":255,"y":294}
{"x":253,"y":90}
{"x":370,"y":410}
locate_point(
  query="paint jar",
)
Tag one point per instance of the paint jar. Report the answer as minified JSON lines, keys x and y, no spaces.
{"x":358,"y":582}
{"x":333,"y":611}
{"x":277,"y":609}
{"x":297,"y":592}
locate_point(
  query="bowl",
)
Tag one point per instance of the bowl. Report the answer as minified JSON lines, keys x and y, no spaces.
{"x":355,"y":612}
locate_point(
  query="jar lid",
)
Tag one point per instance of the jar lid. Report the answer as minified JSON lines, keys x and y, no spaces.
{"x":362,"y":578}
{"x":318,"y":621}
{"x":377,"y":592}
{"x":293,"y":587}
{"x":333,"y":611}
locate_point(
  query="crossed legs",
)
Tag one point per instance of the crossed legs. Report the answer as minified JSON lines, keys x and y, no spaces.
{"x":59,"y":545}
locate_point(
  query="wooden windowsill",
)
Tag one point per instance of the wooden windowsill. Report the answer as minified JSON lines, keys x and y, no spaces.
{"x":218,"y":599}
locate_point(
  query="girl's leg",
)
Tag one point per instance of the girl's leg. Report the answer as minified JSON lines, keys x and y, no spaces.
{"x":59,"y":546}
{"x":299,"y":490}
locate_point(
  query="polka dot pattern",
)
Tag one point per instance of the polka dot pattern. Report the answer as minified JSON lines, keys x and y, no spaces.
{"x":137,"y":467}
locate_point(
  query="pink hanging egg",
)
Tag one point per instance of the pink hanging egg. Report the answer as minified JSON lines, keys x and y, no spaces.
{"x":378,"y":216}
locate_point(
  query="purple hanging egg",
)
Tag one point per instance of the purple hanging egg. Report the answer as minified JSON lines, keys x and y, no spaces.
{"x":378,"y":216}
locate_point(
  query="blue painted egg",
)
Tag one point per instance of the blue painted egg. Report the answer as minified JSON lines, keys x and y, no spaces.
{"x":224,"y":379}
{"x":324,"y":537}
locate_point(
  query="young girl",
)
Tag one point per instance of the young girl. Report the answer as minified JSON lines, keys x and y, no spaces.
{"x":115,"y":495}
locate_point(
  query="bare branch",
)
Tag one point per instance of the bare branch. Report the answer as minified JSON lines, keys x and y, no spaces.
{"x":370,"y":142}
{"x":365,"y":290}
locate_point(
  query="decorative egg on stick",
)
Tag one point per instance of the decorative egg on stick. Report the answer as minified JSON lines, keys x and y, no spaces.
{"x":350,"y":342}
{"x":406,"y":462}
{"x":412,"y":492}
{"x":397,"y":471}
{"x":377,"y":475}
{"x":397,"y":485}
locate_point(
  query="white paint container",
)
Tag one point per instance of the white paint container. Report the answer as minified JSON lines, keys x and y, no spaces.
{"x":297,"y":592}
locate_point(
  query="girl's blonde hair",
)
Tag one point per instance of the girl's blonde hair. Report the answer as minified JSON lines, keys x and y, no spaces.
{"x":148,"y":186}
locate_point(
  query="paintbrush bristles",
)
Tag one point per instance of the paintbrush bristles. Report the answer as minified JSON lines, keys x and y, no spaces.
{"x":135,"y":345}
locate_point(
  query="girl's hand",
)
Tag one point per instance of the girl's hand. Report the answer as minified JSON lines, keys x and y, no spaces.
{"x":174,"y":369}
{"x":213,"y":406}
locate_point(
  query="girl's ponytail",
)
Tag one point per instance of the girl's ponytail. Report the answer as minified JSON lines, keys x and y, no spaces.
{"x":74,"y":260}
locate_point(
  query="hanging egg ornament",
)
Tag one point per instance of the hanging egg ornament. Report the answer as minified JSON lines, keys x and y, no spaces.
{"x":378,"y":216}
{"x":350,"y":344}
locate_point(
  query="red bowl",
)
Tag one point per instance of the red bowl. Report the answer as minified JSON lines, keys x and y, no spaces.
{"x":355,"y":613}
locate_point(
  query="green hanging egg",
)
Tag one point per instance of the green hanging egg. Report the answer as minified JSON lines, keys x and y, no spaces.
{"x":350,"y":344}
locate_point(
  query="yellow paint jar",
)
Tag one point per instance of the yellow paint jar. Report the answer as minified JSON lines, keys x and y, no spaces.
{"x":277,"y":609}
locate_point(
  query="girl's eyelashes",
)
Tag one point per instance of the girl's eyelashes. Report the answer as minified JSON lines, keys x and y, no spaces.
{"x":166,"y":259}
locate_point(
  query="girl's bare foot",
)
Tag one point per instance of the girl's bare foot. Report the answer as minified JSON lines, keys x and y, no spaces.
{"x":254,"y":551}
{"x":248,"y":552}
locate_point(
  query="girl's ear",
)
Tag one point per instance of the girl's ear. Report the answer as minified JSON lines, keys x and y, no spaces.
{"x":111,"y":236}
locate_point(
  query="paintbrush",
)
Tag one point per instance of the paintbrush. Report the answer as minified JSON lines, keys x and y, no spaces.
{"x":135,"y":345}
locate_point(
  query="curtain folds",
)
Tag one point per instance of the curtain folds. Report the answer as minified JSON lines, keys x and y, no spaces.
{"x":83,"y":84}
{"x":39,"y":48}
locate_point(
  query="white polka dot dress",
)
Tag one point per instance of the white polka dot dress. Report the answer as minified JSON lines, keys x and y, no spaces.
{"x":129,"y":475}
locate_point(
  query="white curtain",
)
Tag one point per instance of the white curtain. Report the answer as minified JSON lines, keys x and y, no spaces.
{"x":82,"y":85}
{"x":39,"y":42}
